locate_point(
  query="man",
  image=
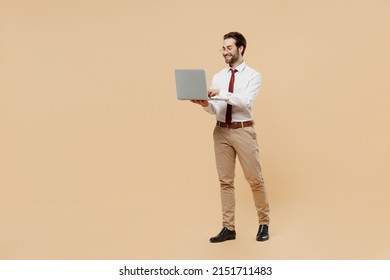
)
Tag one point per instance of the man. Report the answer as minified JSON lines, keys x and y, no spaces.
{"x":234,"y":135}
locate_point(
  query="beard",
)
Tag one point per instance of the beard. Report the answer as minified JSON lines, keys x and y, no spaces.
{"x":231,"y":59}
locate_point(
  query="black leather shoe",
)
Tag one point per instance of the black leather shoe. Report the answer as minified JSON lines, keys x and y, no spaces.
{"x":224,"y":235}
{"x":262,"y":234}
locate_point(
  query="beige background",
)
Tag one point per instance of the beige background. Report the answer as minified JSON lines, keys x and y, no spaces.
{"x":99,"y":160}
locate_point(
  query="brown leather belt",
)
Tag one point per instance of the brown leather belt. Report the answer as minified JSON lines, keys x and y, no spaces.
{"x":235,"y":124}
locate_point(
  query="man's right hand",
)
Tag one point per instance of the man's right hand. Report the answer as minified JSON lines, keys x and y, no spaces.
{"x":204,"y":103}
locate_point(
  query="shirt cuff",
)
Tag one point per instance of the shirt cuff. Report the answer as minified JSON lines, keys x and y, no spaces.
{"x":209,"y":108}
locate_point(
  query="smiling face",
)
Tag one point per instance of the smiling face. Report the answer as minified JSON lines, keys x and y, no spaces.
{"x":230,"y":52}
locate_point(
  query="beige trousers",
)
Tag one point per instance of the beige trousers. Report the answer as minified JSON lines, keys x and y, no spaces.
{"x":240,"y":142}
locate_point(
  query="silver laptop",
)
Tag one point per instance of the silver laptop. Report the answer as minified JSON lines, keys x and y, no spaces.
{"x":191,"y":85}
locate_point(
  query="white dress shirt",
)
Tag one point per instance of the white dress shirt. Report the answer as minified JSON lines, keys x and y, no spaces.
{"x":246,"y":87}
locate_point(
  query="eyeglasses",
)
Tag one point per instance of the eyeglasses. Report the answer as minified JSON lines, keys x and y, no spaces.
{"x":227,"y":49}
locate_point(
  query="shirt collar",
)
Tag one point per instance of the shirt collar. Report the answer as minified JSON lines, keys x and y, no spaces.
{"x":239,"y":68}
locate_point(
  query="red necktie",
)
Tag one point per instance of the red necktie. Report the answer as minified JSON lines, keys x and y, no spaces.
{"x":228,"y":118}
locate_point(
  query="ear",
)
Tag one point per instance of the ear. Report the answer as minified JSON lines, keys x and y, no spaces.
{"x":241,"y":49}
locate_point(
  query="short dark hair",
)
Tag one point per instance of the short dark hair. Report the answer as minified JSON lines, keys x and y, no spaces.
{"x":240,"y":39}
